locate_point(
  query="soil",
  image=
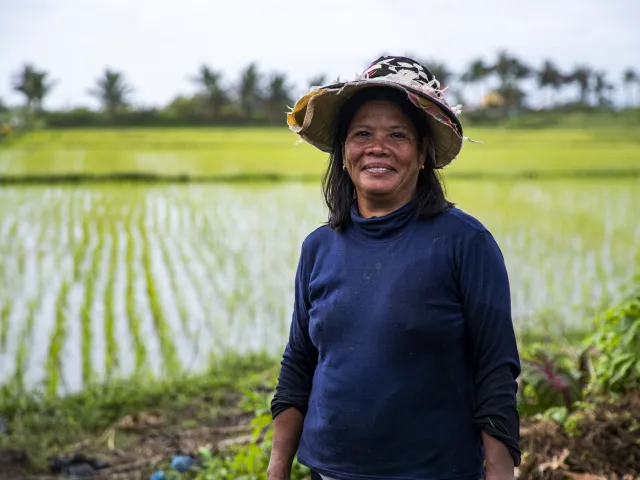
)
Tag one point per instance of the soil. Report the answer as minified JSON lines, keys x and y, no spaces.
{"x":135,"y":445}
{"x":605,"y":446}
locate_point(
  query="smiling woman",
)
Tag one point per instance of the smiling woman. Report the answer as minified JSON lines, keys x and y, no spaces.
{"x":402,"y":359}
{"x":385,"y":144}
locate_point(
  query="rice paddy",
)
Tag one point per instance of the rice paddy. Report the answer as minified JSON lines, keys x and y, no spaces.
{"x":114,"y":279}
{"x":228,"y":152}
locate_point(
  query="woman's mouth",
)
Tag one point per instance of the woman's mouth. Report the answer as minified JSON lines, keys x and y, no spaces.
{"x":377,"y":169}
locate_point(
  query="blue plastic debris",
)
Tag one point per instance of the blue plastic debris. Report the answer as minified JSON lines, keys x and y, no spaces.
{"x":181,"y":463}
{"x":82,"y":470}
{"x":157,"y":475}
{"x":77,"y":466}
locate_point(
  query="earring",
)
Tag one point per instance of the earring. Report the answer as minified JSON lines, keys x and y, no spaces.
{"x":344,"y":167}
{"x":422,"y":167}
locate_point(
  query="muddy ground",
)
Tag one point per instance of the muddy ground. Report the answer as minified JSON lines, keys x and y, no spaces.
{"x":606,"y":444}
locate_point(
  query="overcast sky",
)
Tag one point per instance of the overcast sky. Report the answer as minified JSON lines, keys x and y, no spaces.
{"x":159,"y":44}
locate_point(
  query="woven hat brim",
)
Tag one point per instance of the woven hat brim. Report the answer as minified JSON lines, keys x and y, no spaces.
{"x":313,"y":115}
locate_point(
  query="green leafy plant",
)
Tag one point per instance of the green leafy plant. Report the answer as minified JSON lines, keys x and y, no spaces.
{"x":549,"y":380}
{"x":615,"y":347}
{"x":249,"y":461}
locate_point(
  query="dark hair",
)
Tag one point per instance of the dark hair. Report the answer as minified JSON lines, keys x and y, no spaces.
{"x":337,"y":186}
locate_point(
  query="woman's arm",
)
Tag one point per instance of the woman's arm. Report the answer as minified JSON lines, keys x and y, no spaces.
{"x":486,"y":298}
{"x":291,"y":399}
{"x":499,"y":461}
{"x":287,"y":428}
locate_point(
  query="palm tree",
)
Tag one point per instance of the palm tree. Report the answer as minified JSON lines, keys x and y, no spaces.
{"x":33,"y":84}
{"x":249,"y":90}
{"x":213,"y":92}
{"x":277,"y":98}
{"x":112,"y":90}
{"x":601,"y":88}
{"x":549,"y":78}
{"x":510,"y":72}
{"x":629,"y":78}
{"x":477,"y":72}
{"x":582,"y":77}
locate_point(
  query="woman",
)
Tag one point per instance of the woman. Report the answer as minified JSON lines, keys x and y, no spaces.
{"x":401,"y":361}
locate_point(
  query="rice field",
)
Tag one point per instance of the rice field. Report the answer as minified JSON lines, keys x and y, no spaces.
{"x":112,"y":279}
{"x":225,"y":152}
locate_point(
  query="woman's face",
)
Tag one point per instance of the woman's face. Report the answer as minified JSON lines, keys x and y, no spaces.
{"x":381,"y":154}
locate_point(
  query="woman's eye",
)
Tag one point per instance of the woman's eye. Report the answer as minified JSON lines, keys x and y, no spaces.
{"x":398,"y":135}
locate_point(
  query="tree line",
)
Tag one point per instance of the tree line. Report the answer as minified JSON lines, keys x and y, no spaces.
{"x":503,"y":85}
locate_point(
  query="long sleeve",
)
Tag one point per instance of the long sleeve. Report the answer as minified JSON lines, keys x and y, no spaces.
{"x":486,"y":298}
{"x":300,"y":356}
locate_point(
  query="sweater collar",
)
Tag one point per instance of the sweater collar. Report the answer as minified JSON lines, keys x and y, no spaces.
{"x":386,"y":226}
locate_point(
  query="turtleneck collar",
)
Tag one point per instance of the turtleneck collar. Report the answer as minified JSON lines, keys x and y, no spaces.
{"x":385,"y":227}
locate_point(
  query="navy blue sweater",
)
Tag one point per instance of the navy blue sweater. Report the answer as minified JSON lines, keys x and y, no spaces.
{"x":401,"y":348}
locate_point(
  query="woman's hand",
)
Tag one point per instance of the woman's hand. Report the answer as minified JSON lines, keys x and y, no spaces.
{"x":287,"y":428}
{"x":499,"y":461}
{"x":278,"y":472}
{"x":279,"y":467}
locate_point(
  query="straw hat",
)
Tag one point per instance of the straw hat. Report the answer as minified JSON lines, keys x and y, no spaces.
{"x":313,"y":115}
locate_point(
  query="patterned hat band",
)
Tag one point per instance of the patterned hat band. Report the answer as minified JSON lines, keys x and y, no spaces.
{"x":313,"y":115}
{"x":408,"y":73}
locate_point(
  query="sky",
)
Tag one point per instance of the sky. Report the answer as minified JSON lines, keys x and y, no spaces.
{"x":160,"y":44}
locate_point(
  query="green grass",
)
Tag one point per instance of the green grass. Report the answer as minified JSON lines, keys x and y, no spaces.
{"x":41,"y":425}
{"x":228,"y":152}
{"x":196,"y":152}
{"x":549,"y":151}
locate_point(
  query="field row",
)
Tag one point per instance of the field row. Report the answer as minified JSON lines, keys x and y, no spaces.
{"x":116,"y":279}
{"x":99,"y":283}
{"x":206,"y":152}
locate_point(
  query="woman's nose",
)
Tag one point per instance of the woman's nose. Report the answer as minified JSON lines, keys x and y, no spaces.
{"x":376,"y":146}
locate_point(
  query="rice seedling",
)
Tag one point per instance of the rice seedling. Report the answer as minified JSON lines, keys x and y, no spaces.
{"x":4,"y":324}
{"x":163,"y":330}
{"x":178,"y":281}
{"x":23,"y":346}
{"x":140,"y":351}
{"x":140,"y":348}
{"x":55,"y":367}
{"x":111,"y":344}
{"x":87,"y":309}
